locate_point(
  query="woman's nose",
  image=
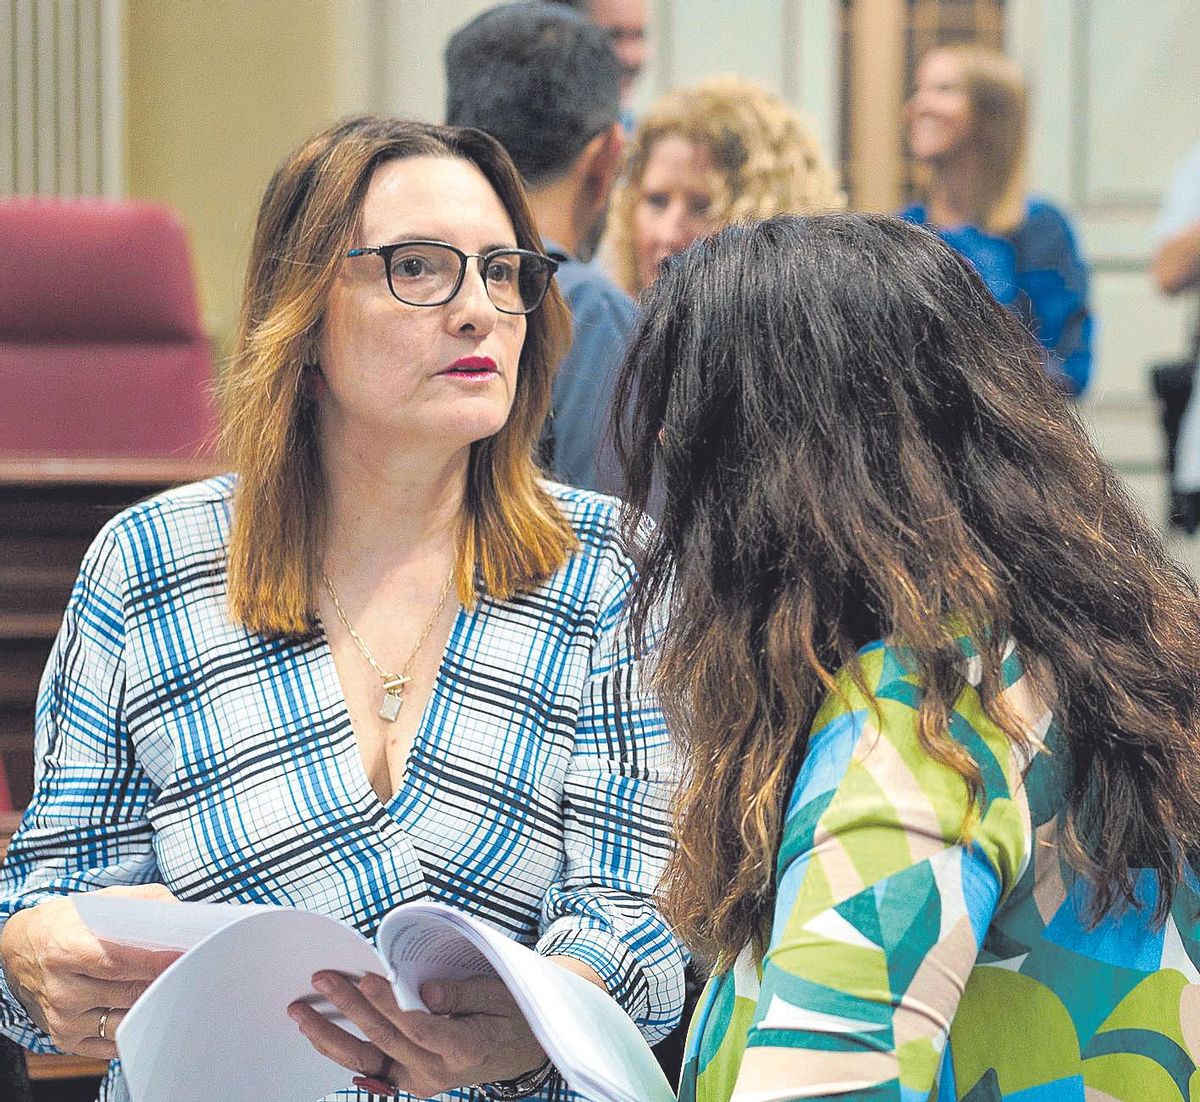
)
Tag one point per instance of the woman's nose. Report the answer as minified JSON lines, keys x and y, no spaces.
{"x":472,"y":307}
{"x":676,"y":228}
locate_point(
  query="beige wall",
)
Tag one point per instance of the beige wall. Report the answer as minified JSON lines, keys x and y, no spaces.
{"x":216,"y":94}
{"x":1113,"y":112}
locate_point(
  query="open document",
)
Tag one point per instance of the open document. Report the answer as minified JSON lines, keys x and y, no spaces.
{"x":215,"y":1023}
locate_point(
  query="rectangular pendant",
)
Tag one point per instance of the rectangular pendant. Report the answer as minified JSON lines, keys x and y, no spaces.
{"x":389,"y":709}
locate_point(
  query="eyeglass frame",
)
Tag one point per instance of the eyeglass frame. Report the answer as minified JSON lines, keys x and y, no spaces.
{"x":385,"y":253}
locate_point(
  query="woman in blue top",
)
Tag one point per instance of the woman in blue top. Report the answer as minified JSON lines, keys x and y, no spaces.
{"x":966,"y":125}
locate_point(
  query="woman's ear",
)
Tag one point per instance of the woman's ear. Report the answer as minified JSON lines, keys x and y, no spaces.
{"x":601,"y":162}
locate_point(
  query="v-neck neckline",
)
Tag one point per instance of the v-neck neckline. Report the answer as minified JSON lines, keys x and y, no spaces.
{"x":333,"y":685}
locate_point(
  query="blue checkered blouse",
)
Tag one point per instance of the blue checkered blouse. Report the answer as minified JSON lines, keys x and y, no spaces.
{"x":174,"y":746}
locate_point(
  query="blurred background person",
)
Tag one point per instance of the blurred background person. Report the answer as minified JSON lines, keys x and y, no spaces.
{"x":717,"y":152}
{"x":1175,"y":268}
{"x":941,"y":732}
{"x":625,"y":22}
{"x":543,"y":81}
{"x":1176,"y":262}
{"x":967,"y":122}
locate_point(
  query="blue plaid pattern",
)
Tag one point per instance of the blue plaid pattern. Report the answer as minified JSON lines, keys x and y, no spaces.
{"x":174,"y":746}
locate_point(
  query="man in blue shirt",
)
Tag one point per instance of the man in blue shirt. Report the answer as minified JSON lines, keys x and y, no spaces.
{"x":544,"y":81}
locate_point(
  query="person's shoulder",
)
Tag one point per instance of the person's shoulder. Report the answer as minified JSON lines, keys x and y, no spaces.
{"x":600,"y":525}
{"x":1043,"y":216}
{"x":181,"y":501}
{"x":595,"y":518}
{"x":886,"y":672}
{"x":878,"y":697}
{"x":867,"y":768}
{"x":593,"y":279}
{"x":1046,"y":239}
{"x":876,"y":670}
{"x":601,"y":569}
{"x":915,"y":213}
{"x":587,"y":287}
{"x":182,"y":520}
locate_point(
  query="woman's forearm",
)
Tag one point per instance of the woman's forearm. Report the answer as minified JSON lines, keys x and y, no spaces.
{"x":1176,"y":265}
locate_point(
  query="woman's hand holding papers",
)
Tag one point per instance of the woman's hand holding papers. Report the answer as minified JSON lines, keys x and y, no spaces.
{"x":474,"y":1034}
{"x":75,"y":987}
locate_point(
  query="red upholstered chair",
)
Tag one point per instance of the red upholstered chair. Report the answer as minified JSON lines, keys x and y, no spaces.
{"x":6,"y":803}
{"x":101,"y":348}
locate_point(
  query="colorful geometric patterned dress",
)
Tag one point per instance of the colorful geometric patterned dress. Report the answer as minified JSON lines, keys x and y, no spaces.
{"x":907,"y":964}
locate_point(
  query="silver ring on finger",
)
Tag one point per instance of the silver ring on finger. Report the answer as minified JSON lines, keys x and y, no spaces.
{"x":103,"y":1027}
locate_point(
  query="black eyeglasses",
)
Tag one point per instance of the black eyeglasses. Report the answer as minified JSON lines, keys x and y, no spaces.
{"x":430,"y":273}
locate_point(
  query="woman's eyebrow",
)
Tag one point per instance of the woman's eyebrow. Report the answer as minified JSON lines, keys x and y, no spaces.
{"x":416,"y":235}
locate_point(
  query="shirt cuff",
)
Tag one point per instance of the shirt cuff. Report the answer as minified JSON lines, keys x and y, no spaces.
{"x":610,"y":958}
{"x":15,"y":1023}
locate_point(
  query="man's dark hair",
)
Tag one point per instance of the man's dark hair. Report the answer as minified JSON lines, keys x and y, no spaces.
{"x":539,"y":78}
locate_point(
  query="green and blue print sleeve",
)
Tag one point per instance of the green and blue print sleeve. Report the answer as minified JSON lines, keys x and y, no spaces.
{"x":882,"y":904}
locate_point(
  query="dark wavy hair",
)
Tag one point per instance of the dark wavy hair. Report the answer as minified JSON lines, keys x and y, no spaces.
{"x":857,"y":442}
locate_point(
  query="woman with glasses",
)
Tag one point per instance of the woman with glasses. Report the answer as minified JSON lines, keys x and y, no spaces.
{"x":383,"y":661}
{"x":935,"y":682}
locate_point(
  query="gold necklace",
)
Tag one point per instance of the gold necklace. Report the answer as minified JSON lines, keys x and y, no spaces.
{"x":393,"y":683}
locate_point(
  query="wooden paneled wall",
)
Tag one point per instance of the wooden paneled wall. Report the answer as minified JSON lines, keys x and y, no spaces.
{"x":50,"y":511}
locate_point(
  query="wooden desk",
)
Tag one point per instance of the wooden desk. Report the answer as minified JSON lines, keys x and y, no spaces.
{"x":50,"y":511}
{"x":8,"y":823}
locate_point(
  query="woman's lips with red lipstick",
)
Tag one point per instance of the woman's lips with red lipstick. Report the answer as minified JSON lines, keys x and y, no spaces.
{"x":471,"y":367}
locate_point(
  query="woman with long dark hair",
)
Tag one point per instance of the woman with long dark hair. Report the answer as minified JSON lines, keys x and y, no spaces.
{"x":935,"y":678}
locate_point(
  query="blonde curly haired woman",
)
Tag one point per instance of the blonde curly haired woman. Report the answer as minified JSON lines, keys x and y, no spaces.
{"x":721,"y":151}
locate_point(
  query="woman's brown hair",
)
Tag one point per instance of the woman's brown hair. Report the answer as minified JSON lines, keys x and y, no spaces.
{"x":513,"y":534}
{"x":998,"y":97}
{"x":857,"y":442}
